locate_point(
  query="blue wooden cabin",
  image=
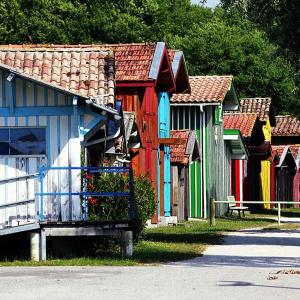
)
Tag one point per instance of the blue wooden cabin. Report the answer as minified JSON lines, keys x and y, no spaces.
{"x":56,"y":112}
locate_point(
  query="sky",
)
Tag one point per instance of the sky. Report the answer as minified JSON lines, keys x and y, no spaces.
{"x":209,"y":3}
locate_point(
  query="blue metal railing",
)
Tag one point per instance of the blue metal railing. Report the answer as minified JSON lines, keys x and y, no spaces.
{"x":85,"y":193}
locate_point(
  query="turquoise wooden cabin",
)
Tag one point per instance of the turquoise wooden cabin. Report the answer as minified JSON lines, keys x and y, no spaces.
{"x":182,"y":85}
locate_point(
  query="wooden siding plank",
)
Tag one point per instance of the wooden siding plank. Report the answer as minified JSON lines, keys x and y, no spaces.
{"x":74,"y":159}
{"x":53,"y":180}
{"x":64,"y":161}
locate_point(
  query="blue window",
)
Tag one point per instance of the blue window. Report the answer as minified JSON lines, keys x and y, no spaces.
{"x":22,"y":141}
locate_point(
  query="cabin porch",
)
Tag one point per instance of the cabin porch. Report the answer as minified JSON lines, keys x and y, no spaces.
{"x":41,"y":216}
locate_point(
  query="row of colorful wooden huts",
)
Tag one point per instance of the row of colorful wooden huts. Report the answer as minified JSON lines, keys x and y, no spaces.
{"x":136,"y":104}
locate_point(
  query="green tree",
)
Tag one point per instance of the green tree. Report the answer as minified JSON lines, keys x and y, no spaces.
{"x":245,"y":52}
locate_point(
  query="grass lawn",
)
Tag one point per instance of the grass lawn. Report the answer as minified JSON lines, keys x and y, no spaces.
{"x":164,"y":244}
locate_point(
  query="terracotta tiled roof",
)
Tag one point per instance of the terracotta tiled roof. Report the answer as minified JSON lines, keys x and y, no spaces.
{"x":286,"y":126}
{"x":181,"y":153}
{"x":279,"y":149}
{"x":178,"y":151}
{"x":244,"y":122}
{"x":261,"y":106}
{"x":171,"y":54}
{"x":205,"y":89}
{"x":133,"y":61}
{"x":86,"y":72}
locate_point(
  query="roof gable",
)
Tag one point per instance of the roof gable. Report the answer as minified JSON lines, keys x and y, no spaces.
{"x":180,"y":71}
{"x":285,"y":156}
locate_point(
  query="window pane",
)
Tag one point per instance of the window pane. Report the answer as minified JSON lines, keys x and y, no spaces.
{"x":4,"y":135}
{"x":27,"y":134}
{"x":4,"y":148}
{"x":27,"y":141}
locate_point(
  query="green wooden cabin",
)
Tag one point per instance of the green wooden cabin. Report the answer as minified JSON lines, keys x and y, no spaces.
{"x":202,"y":111}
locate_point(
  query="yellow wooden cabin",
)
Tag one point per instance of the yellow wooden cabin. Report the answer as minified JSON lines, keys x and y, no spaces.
{"x":263,"y":107}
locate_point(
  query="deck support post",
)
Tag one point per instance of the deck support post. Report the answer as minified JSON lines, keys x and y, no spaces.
{"x":43,"y":245}
{"x":126,"y":238}
{"x":35,"y":246}
{"x":38,"y":245}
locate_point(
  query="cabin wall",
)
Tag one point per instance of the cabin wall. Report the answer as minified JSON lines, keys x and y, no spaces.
{"x":207,"y":176}
{"x":144,"y":102}
{"x":265,"y":179}
{"x":227,"y":177}
{"x":265,"y":175}
{"x":237,"y":179}
{"x":214,"y":155}
{"x":296,"y":188}
{"x":284,"y":184}
{"x":180,"y":192}
{"x":191,"y":117}
{"x":165,"y":157}
{"x":43,"y":107}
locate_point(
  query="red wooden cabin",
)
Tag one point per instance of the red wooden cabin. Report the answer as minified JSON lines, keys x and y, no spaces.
{"x":251,"y":129}
{"x":143,"y":71}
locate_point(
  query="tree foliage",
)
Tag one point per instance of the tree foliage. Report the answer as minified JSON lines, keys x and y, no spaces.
{"x":245,"y":52}
{"x":279,"y":18}
{"x":214,"y":42}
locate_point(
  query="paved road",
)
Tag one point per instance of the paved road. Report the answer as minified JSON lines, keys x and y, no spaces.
{"x":243,"y":267}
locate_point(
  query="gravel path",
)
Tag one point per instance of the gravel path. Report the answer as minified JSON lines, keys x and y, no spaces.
{"x":251,"y":264}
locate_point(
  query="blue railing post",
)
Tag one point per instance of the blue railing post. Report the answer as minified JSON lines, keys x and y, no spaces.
{"x":85,"y":206}
{"x":41,"y":178}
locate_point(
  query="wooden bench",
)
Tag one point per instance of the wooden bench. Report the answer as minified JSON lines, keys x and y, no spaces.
{"x":232,"y":206}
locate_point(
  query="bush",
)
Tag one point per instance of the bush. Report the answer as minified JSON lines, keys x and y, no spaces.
{"x":116,"y":208}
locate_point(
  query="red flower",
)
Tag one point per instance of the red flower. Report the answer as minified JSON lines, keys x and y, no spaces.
{"x":88,"y":176}
{"x":92,"y":200}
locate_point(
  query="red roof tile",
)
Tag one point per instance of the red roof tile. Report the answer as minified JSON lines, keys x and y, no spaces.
{"x":171,"y":54}
{"x":205,"y":89}
{"x":261,"y":106}
{"x":244,"y":122}
{"x":86,"y":72}
{"x":295,"y":149}
{"x":286,"y":126}
{"x":178,"y":151}
{"x":133,"y":61}
{"x":279,"y":149}
{"x":181,"y":153}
